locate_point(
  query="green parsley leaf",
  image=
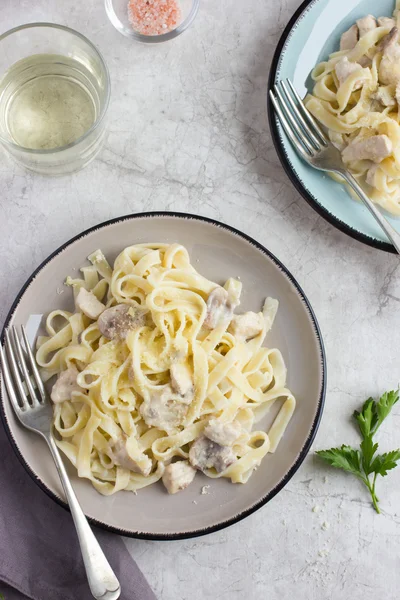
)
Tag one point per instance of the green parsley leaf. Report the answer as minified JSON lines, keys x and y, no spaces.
{"x":364,"y":462}
{"x":345,"y":458}
{"x":368,"y":449}
{"x":385,"y":462}
{"x":384,"y":406}
{"x":366,"y":419}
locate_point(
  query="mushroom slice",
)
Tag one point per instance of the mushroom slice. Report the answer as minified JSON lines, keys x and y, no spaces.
{"x":205,"y":454}
{"x":219,"y":308}
{"x":116,"y":322}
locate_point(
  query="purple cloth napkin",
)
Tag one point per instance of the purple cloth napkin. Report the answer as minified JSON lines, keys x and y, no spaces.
{"x":39,"y":552}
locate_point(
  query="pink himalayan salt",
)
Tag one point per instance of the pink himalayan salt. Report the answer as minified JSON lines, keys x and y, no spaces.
{"x":154,"y":17}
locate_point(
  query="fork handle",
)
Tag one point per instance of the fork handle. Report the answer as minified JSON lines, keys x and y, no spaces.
{"x":392,"y":234}
{"x":101,"y":578}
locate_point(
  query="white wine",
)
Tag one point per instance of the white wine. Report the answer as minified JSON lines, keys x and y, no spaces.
{"x":47,"y":101}
{"x":54,"y":95}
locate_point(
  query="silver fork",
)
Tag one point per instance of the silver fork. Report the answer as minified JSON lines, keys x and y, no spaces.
{"x":32,"y":406}
{"x":316,"y":149}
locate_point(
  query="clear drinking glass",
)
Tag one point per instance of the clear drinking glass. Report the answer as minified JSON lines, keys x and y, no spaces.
{"x":54,"y":95}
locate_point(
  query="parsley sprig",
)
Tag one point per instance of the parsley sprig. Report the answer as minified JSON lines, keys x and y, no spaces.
{"x":365,"y":463}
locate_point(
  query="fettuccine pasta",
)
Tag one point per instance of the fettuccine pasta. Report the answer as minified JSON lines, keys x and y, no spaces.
{"x":356,"y":96}
{"x":157,"y":378}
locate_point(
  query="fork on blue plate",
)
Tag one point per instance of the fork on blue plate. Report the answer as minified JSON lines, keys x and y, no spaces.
{"x":314,"y":147}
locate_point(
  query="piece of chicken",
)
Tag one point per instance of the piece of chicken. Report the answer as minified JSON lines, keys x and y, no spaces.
{"x":366,"y":24}
{"x":246,"y":326}
{"x":205,"y":454}
{"x":370,"y":179}
{"x":344,"y":68}
{"x":389,"y":69}
{"x":349,"y":38}
{"x":375,"y":148}
{"x":224,"y":434}
{"x":177,"y":476}
{"x":182,"y":380}
{"x":87,"y":303}
{"x":138,"y":463}
{"x":116,"y":322}
{"x":386,"y":22}
{"x":65,"y":385}
{"x":384,"y":95}
{"x":163,"y":409}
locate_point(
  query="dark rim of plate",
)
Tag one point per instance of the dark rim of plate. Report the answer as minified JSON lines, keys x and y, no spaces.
{"x":280,"y":149}
{"x":303,"y":453}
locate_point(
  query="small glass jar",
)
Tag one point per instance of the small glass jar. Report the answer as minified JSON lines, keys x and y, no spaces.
{"x":117,"y":12}
{"x":54,"y":95}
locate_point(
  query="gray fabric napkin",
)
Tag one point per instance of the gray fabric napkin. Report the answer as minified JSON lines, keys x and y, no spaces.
{"x":39,"y":553}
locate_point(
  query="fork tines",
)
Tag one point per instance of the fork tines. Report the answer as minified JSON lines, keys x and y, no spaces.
{"x":298,"y":123}
{"x":21,"y":376}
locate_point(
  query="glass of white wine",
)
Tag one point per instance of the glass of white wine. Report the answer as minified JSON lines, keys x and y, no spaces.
{"x":54,"y":95}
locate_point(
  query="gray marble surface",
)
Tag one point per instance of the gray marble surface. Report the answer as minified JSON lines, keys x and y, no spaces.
{"x":188,"y":131}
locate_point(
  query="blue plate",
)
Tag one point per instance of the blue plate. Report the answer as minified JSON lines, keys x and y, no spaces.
{"x":312,"y":34}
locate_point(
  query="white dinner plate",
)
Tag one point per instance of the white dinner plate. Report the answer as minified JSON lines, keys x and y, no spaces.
{"x":218,"y":252}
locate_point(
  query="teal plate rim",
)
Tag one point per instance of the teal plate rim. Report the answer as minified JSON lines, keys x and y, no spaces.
{"x":281,"y":152}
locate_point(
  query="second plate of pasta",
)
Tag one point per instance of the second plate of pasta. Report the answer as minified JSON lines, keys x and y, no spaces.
{"x":173,"y":348}
{"x":339,"y":55}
